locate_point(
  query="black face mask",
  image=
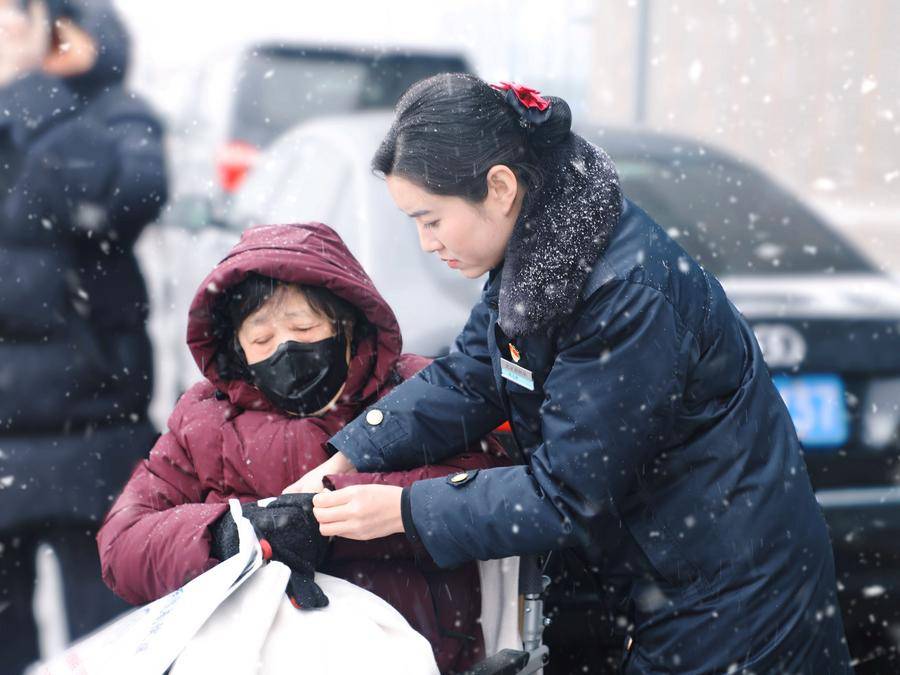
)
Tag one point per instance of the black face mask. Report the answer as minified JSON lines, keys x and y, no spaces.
{"x":302,"y":377}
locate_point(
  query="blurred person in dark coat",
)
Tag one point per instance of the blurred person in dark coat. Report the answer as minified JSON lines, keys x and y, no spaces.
{"x":81,"y":173}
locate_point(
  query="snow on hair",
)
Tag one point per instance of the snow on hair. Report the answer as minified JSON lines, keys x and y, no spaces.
{"x":450,"y":129}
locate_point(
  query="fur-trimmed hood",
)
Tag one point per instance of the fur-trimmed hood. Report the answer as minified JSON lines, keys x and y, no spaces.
{"x":561,"y":232}
{"x":310,"y":254}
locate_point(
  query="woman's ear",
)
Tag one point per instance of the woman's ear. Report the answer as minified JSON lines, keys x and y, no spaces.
{"x":502,"y":188}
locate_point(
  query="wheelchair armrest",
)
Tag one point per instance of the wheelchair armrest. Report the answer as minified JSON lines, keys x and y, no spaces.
{"x":504,"y":662}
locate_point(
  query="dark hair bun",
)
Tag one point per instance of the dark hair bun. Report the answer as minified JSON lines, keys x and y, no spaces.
{"x":557,"y":127}
{"x":450,"y":129}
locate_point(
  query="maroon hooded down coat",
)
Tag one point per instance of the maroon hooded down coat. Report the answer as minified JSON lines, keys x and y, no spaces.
{"x":225,"y":440}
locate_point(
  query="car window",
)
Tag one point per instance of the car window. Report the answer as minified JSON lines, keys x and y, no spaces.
{"x":281,"y":87}
{"x":390,"y":75}
{"x":733,"y":220}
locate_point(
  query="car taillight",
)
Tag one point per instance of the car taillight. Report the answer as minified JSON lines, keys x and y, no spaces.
{"x":881,"y":414}
{"x":235,"y":161}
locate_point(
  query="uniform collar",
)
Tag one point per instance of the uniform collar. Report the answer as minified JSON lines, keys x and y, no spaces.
{"x":492,"y":287}
{"x":561,"y":232}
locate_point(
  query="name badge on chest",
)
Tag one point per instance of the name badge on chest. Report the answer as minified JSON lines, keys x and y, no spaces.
{"x":516,"y":373}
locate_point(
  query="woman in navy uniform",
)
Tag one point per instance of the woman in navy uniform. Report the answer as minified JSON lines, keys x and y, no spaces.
{"x":651,"y":438}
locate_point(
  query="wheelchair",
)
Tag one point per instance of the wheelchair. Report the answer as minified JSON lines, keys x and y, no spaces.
{"x":534,"y":654}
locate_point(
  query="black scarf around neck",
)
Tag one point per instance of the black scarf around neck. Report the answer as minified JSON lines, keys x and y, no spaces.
{"x":561,"y":232}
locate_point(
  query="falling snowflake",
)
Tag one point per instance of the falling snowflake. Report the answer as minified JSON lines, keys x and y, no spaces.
{"x":824,"y":184}
{"x":868,"y":85}
{"x":695,"y":71}
{"x":873,"y":591}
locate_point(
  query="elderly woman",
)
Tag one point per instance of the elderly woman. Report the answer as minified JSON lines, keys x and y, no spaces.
{"x":294,"y":341}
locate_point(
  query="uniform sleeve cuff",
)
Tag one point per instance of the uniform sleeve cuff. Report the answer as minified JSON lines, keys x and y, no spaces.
{"x":357,"y":446}
{"x":406,"y":514}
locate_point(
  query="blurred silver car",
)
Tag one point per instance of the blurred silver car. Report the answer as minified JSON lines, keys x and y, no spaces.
{"x":250,"y":95}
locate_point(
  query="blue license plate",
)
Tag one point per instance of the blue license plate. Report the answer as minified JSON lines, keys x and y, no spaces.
{"x":816,"y":404}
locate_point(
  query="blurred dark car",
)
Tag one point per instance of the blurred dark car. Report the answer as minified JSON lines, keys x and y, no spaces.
{"x":828,"y":323}
{"x":827,"y":320}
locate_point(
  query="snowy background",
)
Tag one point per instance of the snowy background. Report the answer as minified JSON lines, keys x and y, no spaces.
{"x":807,"y":90}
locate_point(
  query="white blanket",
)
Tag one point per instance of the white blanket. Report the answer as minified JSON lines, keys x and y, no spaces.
{"x":235,"y":618}
{"x":257,"y":630}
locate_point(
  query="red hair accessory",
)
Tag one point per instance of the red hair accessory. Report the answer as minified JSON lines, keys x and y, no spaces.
{"x":533,"y":108}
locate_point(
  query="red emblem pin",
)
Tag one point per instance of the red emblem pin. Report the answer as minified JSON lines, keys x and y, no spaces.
{"x":514,"y":353}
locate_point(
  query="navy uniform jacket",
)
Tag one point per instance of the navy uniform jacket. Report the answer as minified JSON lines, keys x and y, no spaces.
{"x":653,"y":439}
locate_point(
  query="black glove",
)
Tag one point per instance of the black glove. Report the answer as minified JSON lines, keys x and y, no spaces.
{"x":287,"y":532}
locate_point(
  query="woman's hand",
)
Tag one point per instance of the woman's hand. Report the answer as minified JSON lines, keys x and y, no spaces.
{"x":360,"y":512}
{"x":312,"y":480}
{"x":24,"y":40}
{"x":76,"y":54}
